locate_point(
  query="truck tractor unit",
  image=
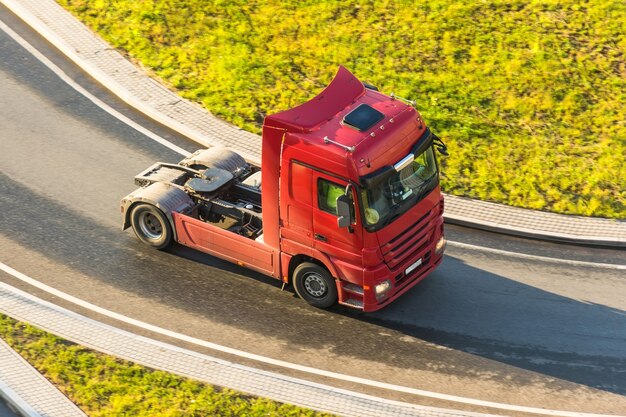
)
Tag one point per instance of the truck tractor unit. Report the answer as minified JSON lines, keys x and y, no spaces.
{"x":346,"y":205}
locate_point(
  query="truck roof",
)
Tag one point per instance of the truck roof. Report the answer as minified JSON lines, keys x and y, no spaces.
{"x":351,"y":122}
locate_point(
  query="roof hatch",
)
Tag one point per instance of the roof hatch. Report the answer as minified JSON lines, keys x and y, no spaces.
{"x":363,"y":117}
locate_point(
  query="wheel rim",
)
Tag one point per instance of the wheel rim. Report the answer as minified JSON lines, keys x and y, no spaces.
{"x":315,"y":285}
{"x":150,"y":225}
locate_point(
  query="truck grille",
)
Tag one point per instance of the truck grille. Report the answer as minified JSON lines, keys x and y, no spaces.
{"x":415,"y":239}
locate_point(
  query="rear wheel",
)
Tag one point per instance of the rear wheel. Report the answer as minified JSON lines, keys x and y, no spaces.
{"x":314,"y":285}
{"x":151,"y":226}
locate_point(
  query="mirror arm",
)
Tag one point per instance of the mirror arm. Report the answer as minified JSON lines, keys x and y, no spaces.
{"x":348,"y":191}
{"x":441,"y":147}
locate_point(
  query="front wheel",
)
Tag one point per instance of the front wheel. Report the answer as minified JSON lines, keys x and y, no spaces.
{"x":151,"y":226}
{"x":315,"y":285}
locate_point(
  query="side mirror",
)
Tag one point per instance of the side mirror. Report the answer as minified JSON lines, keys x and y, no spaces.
{"x":344,"y":213}
{"x":441,"y":147}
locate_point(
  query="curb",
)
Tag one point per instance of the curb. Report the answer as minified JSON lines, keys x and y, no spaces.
{"x":16,"y":403}
{"x":533,"y":224}
{"x":533,"y":234}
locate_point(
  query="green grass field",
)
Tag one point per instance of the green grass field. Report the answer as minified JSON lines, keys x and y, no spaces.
{"x":105,"y":386}
{"x":530,"y":96}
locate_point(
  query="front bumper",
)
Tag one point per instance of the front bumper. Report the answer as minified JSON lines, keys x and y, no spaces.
{"x":402,"y":278}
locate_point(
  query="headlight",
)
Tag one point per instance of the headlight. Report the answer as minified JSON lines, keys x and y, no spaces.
{"x":382,"y":289}
{"x":440,"y":246}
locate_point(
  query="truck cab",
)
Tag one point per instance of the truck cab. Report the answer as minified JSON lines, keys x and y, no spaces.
{"x":346,"y":204}
{"x":375,"y":150}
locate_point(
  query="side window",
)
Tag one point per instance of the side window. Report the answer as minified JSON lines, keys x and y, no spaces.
{"x":327,"y":193}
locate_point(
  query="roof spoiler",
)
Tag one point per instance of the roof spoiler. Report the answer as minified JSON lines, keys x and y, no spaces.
{"x":343,"y":90}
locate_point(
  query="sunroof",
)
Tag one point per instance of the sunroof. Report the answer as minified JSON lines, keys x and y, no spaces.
{"x":363,"y":117}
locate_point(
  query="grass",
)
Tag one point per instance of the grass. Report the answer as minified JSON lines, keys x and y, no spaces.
{"x":102,"y":385}
{"x":530,"y":96}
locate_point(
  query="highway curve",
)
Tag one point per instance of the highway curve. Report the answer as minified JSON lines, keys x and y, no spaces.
{"x":484,"y":326}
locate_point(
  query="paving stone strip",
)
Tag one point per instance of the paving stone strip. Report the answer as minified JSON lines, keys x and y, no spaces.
{"x":170,"y":358}
{"x":133,"y":85}
{"x":534,"y":224}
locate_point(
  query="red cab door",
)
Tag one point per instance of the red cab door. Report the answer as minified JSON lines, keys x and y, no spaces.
{"x":340,"y":244}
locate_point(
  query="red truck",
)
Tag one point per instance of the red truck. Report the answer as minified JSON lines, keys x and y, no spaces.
{"x":346,"y":206}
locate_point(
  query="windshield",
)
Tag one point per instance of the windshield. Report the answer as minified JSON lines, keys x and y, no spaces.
{"x":392,"y":192}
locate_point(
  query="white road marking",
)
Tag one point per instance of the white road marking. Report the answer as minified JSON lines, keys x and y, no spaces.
{"x":263,"y":359}
{"x":63,"y":76}
{"x":537,"y":257}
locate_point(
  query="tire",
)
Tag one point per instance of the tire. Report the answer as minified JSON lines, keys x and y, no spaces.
{"x":151,"y":226}
{"x":314,"y":285}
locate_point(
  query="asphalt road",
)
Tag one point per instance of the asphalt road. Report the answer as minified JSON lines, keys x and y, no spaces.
{"x":5,"y":411}
{"x":482,"y":326}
